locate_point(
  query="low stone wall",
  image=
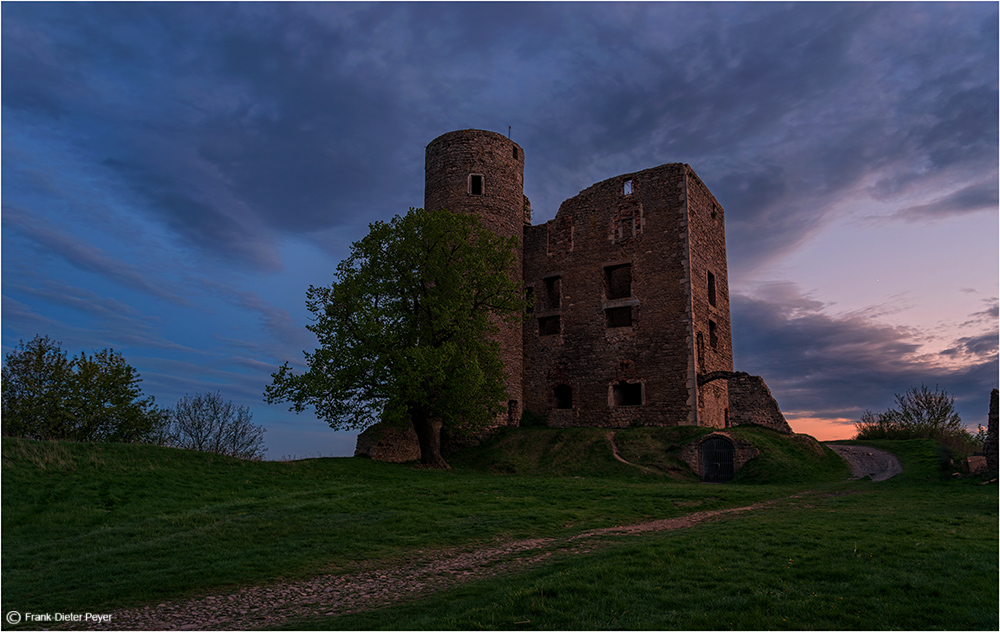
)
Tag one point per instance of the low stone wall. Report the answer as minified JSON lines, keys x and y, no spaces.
{"x":389,"y":443}
{"x":750,"y":401}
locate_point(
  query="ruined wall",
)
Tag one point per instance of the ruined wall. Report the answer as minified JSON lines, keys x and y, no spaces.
{"x":750,"y":401}
{"x":709,"y":287}
{"x":609,"y":343}
{"x":991,"y":436}
{"x":482,"y":173}
{"x":389,"y":443}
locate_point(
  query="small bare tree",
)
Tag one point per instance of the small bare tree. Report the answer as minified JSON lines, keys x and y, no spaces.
{"x":208,"y":423}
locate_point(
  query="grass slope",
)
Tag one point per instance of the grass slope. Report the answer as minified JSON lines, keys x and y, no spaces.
{"x":93,"y":527}
{"x":914,"y":552}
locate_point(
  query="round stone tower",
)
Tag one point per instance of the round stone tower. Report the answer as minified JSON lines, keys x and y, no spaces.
{"x":482,"y":173}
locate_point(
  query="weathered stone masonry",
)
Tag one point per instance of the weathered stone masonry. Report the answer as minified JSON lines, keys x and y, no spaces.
{"x":630,"y":289}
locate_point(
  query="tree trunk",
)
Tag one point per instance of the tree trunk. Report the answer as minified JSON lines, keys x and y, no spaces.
{"x":428,"y":431}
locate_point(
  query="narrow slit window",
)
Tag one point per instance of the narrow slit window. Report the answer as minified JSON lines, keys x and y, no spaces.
{"x":476,"y":184}
{"x":627,"y":188}
{"x":711,"y":289}
{"x":529,"y":296}
{"x":563,"y":396}
{"x":618,"y":281}
{"x":515,"y":152}
{"x":713,"y":334}
{"x":548,"y":326}
{"x":553,"y":286}
{"x":625,"y":394}
{"x":619,"y":316}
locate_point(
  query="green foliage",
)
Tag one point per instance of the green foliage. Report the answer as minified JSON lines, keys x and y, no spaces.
{"x":86,"y":398}
{"x":920,"y":413}
{"x":403,"y":329}
{"x":208,"y":423}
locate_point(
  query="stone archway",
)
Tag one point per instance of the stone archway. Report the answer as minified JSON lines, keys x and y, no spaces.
{"x":717,"y":459}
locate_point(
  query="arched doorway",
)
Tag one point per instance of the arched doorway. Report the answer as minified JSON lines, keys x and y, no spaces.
{"x":717,"y":460}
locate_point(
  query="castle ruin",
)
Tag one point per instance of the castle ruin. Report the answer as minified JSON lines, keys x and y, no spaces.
{"x":630,"y":294}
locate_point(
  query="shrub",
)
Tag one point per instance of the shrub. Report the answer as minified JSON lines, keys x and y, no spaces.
{"x":86,"y":398}
{"x":920,"y":413}
{"x":207,"y":423}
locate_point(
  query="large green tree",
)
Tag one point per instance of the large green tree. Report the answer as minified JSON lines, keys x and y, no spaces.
{"x":85,"y":398}
{"x":405,"y":330}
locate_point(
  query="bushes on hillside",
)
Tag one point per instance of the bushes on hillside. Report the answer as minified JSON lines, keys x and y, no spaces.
{"x":46,"y":395}
{"x":208,"y":423}
{"x":919,"y":413}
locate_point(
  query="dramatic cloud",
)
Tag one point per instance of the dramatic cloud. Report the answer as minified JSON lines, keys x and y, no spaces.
{"x":180,"y":172}
{"x":836,"y":365}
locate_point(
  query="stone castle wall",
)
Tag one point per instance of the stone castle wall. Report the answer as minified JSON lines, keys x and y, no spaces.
{"x":709,"y":288}
{"x":452,"y":162}
{"x":629,"y":284}
{"x":610,"y":340}
{"x":750,"y":401}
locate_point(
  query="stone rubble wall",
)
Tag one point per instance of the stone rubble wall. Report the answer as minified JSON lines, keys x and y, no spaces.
{"x":750,"y":401}
{"x":389,"y":443}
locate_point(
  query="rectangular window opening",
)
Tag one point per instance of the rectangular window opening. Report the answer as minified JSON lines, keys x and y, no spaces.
{"x":619,"y":316}
{"x":548,"y":326}
{"x":562,"y":397}
{"x":618,"y":281}
{"x":476,"y":184}
{"x":625,"y":394}
{"x":713,"y":334}
{"x":529,"y":296}
{"x":711,"y":289}
{"x":627,"y":188}
{"x":553,"y":288}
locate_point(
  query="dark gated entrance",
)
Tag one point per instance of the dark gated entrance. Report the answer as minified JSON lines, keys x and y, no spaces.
{"x":717,"y":460}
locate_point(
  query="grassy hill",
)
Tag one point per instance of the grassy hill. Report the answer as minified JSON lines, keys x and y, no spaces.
{"x":535,"y":451}
{"x":94,"y":527}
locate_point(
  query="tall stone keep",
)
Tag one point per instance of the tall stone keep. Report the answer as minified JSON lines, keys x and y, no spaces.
{"x":628,"y":286}
{"x":482,"y":173}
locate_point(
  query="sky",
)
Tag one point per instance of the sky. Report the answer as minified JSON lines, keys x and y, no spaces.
{"x":175,"y":175}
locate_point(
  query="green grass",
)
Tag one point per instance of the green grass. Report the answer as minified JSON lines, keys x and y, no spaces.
{"x":914,"y":552}
{"x":93,"y":527}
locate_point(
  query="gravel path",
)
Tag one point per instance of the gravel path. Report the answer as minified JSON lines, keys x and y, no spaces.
{"x":866,"y":461}
{"x":334,"y":595}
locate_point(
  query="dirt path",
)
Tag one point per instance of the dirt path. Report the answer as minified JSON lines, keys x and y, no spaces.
{"x":614,"y":451}
{"x":334,"y":595}
{"x":866,"y":461}
{"x":338,"y":594}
